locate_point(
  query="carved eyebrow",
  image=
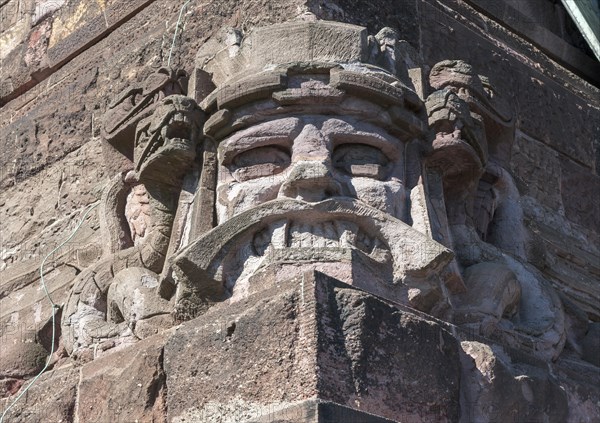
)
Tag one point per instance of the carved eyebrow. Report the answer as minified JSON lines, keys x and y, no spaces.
{"x":269,"y":133}
{"x":389,"y":147}
{"x":228,"y":152}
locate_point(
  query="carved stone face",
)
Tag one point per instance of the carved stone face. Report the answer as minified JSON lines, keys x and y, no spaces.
{"x":310,"y":158}
{"x":332,"y":174}
{"x":311,"y":190}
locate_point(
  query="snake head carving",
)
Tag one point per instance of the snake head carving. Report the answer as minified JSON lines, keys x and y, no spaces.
{"x":166,"y":142}
{"x":138,"y":102}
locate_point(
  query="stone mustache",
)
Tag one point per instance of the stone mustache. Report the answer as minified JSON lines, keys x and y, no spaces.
{"x":310,"y":145}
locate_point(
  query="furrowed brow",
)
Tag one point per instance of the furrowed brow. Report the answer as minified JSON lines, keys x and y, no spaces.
{"x":249,"y":143}
{"x":390,"y":146}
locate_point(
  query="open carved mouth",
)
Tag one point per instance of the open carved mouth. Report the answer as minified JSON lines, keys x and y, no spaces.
{"x":342,"y":237}
{"x":174,"y":143}
{"x":177,"y":130}
{"x":296,"y":231}
{"x":314,"y":235}
{"x":176,"y":134}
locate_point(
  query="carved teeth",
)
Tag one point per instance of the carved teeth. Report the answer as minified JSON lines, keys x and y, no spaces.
{"x":178,"y":127}
{"x":347,"y":233}
{"x":278,"y":239}
{"x":330,"y":234}
{"x":177,"y":130}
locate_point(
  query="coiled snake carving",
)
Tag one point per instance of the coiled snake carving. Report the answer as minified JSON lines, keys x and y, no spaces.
{"x":116,"y":301}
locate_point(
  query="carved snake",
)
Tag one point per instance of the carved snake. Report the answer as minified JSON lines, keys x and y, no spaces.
{"x":109,"y":298}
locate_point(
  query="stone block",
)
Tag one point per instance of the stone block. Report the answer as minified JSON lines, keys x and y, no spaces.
{"x":51,"y":399}
{"x":14,"y":28}
{"x":31,"y":300}
{"x":402,"y":15}
{"x":315,"y":411}
{"x":537,"y":168}
{"x":10,"y":13}
{"x":293,"y":43}
{"x":85,"y":25}
{"x":312,"y":337}
{"x":21,"y":357}
{"x":125,"y":385}
{"x":580,"y":191}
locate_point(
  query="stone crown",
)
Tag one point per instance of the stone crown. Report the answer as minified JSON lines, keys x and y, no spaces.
{"x":319,"y":63}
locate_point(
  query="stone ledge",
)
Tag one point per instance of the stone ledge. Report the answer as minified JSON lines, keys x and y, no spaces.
{"x":71,"y":46}
{"x":315,"y":411}
{"x":553,"y":45}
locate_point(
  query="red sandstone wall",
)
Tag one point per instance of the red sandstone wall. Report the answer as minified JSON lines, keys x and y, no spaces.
{"x":63,"y":61}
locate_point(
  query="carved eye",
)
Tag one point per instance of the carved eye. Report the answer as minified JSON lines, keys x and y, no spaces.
{"x":260,"y":162}
{"x":361,"y":160}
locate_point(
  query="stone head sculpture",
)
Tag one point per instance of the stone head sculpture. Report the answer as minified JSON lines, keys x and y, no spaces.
{"x":305,"y":147}
{"x":312,"y":152}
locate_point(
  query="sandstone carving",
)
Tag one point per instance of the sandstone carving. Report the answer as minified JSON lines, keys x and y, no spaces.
{"x":473,"y":131}
{"x":299,"y":211}
{"x":320,"y":161}
{"x":312,"y":157}
{"x":309,"y":178}
{"x":116,"y":301}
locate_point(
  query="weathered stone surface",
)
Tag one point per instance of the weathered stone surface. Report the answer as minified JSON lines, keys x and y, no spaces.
{"x":497,"y":388}
{"x":488,"y":299}
{"x":10,"y":386}
{"x":579,"y":201}
{"x":63,"y":62}
{"x":315,"y":411}
{"x":21,"y":357}
{"x":55,"y":41}
{"x":580,"y":383}
{"x":132,"y":382}
{"x":383,"y":360}
{"x":26,"y":323}
{"x":591,"y":345}
{"x":55,"y":202}
{"x":51,"y":399}
{"x":399,"y":14}
{"x":311,"y":337}
{"x":263,"y":347}
{"x":537,"y":170}
{"x":566,"y":253}
{"x":345,"y":43}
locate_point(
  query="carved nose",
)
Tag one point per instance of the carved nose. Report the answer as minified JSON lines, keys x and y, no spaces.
{"x":310,"y":181}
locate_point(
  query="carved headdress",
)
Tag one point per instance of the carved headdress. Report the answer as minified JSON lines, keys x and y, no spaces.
{"x":330,"y":66}
{"x":312,"y":68}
